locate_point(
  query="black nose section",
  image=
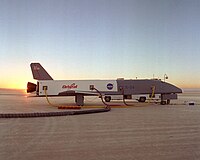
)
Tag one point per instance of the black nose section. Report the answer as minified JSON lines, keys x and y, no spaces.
{"x":31,"y":87}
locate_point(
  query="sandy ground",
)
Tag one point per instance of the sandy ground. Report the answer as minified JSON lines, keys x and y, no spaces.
{"x":145,"y":131}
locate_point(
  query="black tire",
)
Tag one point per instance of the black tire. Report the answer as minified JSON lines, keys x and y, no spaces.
{"x":142,"y":99}
{"x":168,"y":101}
{"x":163,"y":102}
{"x":107,"y":98}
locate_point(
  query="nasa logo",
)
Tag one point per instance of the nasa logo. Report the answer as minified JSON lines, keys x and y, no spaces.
{"x":110,"y":86}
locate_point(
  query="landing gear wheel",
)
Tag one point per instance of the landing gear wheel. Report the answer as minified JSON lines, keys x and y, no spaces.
{"x":163,"y":102}
{"x":107,"y":98}
{"x":168,"y":101}
{"x":142,"y":99}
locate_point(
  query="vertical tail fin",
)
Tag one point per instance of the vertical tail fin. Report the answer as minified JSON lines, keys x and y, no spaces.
{"x":39,"y":73}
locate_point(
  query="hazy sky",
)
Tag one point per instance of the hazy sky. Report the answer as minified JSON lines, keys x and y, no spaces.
{"x":100,"y":39}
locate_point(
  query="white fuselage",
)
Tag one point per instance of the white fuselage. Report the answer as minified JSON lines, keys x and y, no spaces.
{"x":54,"y":87}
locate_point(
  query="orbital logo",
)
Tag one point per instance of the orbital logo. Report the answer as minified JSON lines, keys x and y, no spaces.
{"x":71,"y":86}
{"x":110,"y":86}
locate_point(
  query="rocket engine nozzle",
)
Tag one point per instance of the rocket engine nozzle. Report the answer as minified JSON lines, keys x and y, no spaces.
{"x":31,"y":87}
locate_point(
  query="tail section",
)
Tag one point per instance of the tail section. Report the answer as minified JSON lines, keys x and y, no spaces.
{"x":39,"y":73}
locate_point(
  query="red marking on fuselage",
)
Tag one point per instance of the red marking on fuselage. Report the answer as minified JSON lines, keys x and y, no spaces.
{"x":71,"y":86}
